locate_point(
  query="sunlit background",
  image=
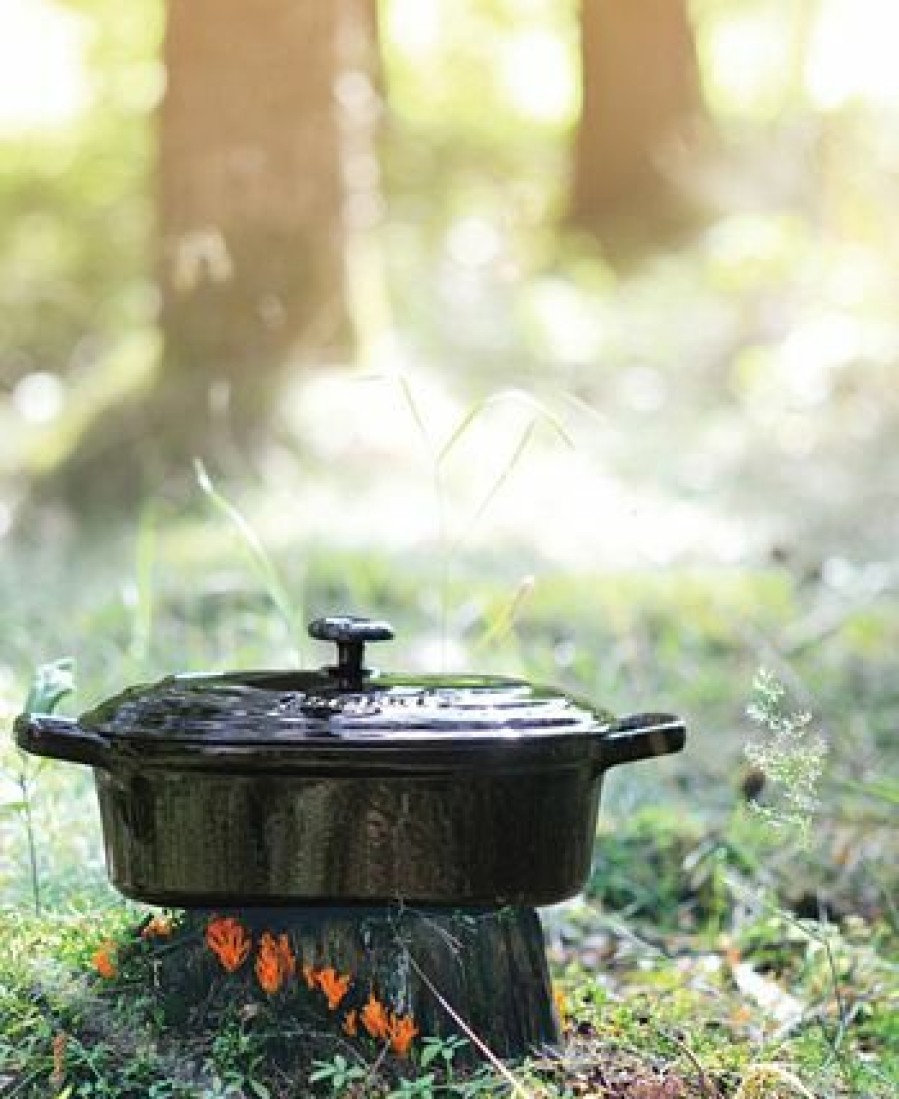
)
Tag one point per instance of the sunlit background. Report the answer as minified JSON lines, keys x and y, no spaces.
{"x":724,"y":393}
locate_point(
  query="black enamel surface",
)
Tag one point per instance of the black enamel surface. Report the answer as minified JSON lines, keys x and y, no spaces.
{"x":344,"y":786}
{"x":279,"y":708}
{"x":191,"y":839}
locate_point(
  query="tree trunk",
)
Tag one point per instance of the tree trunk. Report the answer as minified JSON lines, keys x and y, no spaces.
{"x":252,"y":190}
{"x":641,"y":90}
{"x":463,"y":973}
{"x":265,"y":169}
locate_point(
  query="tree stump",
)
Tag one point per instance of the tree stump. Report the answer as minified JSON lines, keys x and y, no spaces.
{"x":480,"y":974}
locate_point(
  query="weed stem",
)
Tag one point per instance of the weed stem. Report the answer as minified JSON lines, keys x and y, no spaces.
{"x":27,"y":817}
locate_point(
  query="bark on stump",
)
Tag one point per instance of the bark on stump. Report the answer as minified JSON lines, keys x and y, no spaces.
{"x":477,"y":973}
{"x":464,"y":972}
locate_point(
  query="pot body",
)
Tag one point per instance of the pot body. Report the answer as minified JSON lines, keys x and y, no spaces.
{"x":471,"y":820}
{"x":344,"y":786}
{"x":201,"y":838}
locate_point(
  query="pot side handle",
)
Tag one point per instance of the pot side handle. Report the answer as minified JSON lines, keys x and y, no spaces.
{"x":60,"y":738}
{"x":639,"y":736}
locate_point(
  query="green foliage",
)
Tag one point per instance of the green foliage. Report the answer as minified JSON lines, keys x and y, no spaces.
{"x":444,"y":1049}
{"x":51,"y":683}
{"x":422,"y":1087}
{"x":337,"y":1073}
{"x":790,"y":759}
{"x":237,"y":1062}
{"x":75,"y":210}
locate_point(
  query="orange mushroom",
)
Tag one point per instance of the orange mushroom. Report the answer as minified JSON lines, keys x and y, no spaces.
{"x":335,"y":986}
{"x":227,"y":938}
{"x":375,"y":1018}
{"x":275,"y":962}
{"x":104,"y":961}
{"x":402,"y":1031}
{"x":159,"y":927}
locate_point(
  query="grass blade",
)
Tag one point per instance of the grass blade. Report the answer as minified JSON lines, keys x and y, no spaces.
{"x":501,"y":624}
{"x":145,"y":559}
{"x":259,"y":560}
{"x":502,"y":477}
{"x":517,"y":396}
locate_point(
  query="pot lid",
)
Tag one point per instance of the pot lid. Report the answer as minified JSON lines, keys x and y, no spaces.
{"x":342,"y":702}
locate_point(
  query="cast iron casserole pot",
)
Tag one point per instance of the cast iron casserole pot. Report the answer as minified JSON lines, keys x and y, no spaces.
{"x":344,"y":785}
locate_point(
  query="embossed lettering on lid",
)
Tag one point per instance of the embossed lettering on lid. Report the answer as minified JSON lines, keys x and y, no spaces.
{"x":343,"y":701}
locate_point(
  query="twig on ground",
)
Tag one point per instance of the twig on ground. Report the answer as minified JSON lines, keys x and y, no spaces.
{"x":708,"y":1087}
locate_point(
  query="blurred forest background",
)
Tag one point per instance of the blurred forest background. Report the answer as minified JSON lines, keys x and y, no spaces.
{"x":659,"y":240}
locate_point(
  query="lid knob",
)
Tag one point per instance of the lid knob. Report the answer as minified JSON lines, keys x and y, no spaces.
{"x":350,"y":634}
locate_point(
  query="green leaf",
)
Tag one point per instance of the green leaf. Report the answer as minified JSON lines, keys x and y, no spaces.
{"x":430,"y":1051}
{"x":259,"y":1089}
{"x":51,"y":683}
{"x":325,"y":1072}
